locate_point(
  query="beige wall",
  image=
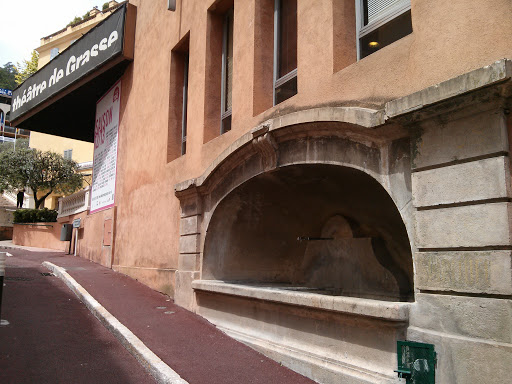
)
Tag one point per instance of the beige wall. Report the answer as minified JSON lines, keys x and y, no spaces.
{"x":82,"y":150}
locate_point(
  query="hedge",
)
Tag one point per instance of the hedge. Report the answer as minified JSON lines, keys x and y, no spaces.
{"x":44,"y":215}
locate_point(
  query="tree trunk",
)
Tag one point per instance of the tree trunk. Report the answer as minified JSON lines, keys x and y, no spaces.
{"x":40,"y":201}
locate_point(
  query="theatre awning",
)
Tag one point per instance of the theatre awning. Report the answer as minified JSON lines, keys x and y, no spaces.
{"x":60,"y":99}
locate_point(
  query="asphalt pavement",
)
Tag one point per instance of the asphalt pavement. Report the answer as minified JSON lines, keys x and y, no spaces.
{"x":53,"y":338}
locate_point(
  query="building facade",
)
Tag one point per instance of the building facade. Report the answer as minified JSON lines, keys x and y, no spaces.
{"x":321,"y":180}
{"x":51,"y":46}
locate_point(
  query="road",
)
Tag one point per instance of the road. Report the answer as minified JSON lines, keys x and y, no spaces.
{"x":52,"y":337}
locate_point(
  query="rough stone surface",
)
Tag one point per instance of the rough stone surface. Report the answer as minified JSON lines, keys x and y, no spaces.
{"x":462,"y":226}
{"x":450,"y":141}
{"x":189,"y":225}
{"x":476,"y":180}
{"x":357,"y":349}
{"x":184,"y":296}
{"x":490,"y":74}
{"x":393,"y":311}
{"x":466,"y":360}
{"x":189,"y":244}
{"x":477,"y":317}
{"x":188,"y":262}
{"x":486,"y":272}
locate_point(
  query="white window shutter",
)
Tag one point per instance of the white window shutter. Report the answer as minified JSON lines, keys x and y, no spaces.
{"x":378,"y":9}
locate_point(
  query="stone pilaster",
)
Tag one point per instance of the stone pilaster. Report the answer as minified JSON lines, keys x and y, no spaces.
{"x":189,"y":247}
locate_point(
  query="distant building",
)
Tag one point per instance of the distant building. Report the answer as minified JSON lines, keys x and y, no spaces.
{"x":7,"y":132}
{"x":51,"y":46}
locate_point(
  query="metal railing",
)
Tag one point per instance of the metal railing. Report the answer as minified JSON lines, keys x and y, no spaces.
{"x":75,"y":203}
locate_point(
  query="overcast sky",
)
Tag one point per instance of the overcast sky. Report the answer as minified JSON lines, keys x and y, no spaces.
{"x":24,"y":22}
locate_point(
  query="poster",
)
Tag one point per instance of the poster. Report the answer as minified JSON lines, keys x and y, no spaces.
{"x":105,"y":150}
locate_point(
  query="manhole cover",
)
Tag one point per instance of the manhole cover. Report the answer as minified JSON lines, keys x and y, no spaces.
{"x":13,"y":278}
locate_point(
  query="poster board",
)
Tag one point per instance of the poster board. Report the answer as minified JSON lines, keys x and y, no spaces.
{"x":104,"y":169}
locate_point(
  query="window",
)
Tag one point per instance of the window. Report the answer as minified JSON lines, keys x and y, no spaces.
{"x":285,"y":50}
{"x":184,"y":107}
{"x":381,"y":22}
{"x":227,"y":72}
{"x":68,"y":154}
{"x":53,"y":53}
{"x":178,"y":100}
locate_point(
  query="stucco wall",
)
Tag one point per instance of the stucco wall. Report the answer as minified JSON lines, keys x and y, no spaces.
{"x":447,"y":40}
{"x":39,"y":235}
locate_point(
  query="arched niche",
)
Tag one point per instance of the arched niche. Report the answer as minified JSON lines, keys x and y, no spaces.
{"x":319,"y":228}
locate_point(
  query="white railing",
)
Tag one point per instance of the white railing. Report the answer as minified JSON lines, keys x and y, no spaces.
{"x":75,"y":203}
{"x":28,"y":202}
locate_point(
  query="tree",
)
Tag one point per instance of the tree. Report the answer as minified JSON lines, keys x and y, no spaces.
{"x":105,"y":6}
{"x":8,"y":145}
{"x":27,"y":68}
{"x":42,"y":172}
{"x":7,"y":76}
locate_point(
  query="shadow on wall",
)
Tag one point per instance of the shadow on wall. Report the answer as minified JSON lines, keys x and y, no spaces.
{"x":325,"y":228}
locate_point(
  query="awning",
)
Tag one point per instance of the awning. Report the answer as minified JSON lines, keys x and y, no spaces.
{"x":60,"y":99}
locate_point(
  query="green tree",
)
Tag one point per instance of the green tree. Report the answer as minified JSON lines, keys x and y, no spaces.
{"x":105,"y":6}
{"x":7,"y":76}
{"x":42,"y":172}
{"x":20,"y":143}
{"x":27,"y":68}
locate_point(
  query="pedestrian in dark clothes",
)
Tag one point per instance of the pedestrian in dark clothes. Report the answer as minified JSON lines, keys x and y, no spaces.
{"x":20,"y":196}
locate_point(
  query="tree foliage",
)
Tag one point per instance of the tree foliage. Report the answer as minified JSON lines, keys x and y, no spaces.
{"x":9,"y":146}
{"x":8,"y":76}
{"x":42,"y":172}
{"x":105,"y":6}
{"x":27,"y":68}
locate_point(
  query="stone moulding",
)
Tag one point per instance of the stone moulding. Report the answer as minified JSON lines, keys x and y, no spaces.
{"x":263,"y":136}
{"x":383,"y":310}
{"x":498,"y":72}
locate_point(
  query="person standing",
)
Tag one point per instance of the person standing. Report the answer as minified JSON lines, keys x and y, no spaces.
{"x":20,"y":196}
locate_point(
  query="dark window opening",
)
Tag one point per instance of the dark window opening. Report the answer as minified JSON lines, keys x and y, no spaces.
{"x":386,"y":34}
{"x":227,"y":73}
{"x":178,"y":100}
{"x":184,"y":107}
{"x":285,"y":50}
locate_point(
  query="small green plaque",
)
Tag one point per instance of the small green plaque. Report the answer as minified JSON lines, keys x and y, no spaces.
{"x":416,"y":362}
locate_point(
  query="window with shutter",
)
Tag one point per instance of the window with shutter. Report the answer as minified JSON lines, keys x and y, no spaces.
{"x":381,"y":22}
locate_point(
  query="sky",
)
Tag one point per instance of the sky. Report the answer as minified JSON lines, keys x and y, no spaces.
{"x":25,"y":22}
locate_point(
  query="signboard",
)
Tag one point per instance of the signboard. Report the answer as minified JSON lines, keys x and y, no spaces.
{"x":5,"y":92}
{"x":104,"y":164}
{"x":93,"y":50}
{"x":76,"y":223}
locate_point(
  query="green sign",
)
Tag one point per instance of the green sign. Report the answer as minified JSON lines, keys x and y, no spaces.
{"x":416,"y":362}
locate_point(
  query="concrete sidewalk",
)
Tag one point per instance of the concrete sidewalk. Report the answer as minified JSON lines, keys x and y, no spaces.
{"x":192,"y":347}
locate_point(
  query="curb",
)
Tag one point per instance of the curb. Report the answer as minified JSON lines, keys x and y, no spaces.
{"x":162,"y":373}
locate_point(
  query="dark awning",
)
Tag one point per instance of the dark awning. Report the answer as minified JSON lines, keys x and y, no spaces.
{"x":60,"y":98}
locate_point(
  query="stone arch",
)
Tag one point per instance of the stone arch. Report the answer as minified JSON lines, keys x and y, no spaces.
{"x":323,"y":138}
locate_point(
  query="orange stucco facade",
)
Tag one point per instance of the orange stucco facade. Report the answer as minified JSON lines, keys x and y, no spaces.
{"x":441,"y":47}
{"x":370,"y":207}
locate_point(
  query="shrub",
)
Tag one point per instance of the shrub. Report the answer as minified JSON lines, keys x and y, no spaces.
{"x":44,"y":215}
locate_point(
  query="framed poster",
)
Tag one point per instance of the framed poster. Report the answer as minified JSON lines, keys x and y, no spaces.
{"x":104,"y":166}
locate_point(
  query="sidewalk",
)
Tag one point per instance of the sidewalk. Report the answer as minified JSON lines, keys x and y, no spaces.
{"x":191,"y":346}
